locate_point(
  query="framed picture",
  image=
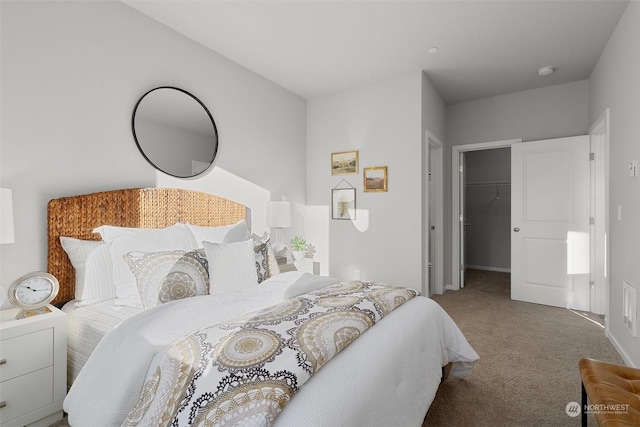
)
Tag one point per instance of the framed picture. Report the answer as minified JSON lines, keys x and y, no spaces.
{"x":345,"y":162}
{"x":343,"y":203}
{"x":375,"y":179}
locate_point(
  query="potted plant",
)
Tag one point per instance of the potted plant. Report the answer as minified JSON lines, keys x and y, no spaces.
{"x":298,"y":247}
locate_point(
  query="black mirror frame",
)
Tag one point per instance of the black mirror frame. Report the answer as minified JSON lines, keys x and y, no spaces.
{"x":135,"y":137}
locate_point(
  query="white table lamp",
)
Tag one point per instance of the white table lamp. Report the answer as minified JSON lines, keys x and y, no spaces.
{"x":6,"y":216}
{"x":279,"y":218}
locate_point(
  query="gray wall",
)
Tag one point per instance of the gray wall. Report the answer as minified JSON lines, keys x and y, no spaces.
{"x":71,"y":75}
{"x":615,"y":84}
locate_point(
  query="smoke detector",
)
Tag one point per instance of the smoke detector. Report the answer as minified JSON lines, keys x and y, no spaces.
{"x":545,"y":71}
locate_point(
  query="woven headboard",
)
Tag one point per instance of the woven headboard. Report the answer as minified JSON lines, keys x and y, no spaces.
{"x":77,"y":216}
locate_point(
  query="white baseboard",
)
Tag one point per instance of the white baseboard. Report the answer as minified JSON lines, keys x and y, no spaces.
{"x":625,"y":357}
{"x":484,"y":267}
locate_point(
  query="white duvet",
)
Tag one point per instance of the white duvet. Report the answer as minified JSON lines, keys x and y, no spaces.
{"x":393,"y":385}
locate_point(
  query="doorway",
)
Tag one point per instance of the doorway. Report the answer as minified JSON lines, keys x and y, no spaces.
{"x":433,"y":216}
{"x":549,"y":218}
{"x":487,"y":210}
{"x":458,"y":202}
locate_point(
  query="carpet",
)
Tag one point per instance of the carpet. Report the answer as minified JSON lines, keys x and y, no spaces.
{"x":528,"y":368}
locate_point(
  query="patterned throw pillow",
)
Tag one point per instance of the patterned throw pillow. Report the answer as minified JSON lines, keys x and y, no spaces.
{"x":169,"y":275}
{"x":266,"y":264}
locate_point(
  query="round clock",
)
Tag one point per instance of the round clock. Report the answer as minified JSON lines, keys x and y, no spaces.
{"x":32,"y":292}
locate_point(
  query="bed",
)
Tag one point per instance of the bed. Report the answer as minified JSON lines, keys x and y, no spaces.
{"x":153,"y":361}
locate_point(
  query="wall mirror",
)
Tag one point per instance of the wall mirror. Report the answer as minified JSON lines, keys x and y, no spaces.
{"x":175,"y":132}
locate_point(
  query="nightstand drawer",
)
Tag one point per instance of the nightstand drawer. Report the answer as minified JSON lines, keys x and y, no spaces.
{"x":25,"y":353}
{"x":26,"y":393}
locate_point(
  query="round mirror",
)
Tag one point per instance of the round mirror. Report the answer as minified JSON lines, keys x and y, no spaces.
{"x":175,"y":132}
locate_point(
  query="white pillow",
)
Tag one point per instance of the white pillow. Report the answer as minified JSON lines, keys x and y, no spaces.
{"x":237,"y":232}
{"x":123,"y":240}
{"x":92,"y":263}
{"x":231,"y":266}
{"x":169,"y":275}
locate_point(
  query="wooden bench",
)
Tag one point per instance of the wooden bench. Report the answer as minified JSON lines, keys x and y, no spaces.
{"x":614,"y":393}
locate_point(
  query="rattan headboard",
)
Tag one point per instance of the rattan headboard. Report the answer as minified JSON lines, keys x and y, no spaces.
{"x":77,"y":216}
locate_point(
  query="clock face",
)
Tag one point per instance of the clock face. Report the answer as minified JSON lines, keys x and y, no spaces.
{"x":34,"y":291}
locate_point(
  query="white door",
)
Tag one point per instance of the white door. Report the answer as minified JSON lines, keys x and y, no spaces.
{"x":550,"y":207}
{"x":462,"y":221}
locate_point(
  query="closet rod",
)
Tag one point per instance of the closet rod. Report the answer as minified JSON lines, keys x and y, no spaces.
{"x":488,"y":183}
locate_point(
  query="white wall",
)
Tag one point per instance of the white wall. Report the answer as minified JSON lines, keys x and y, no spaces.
{"x":433,"y":110}
{"x":550,"y":112}
{"x":71,"y":75}
{"x":384,"y":122}
{"x":615,"y":84}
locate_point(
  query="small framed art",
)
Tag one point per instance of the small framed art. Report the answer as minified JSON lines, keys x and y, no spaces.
{"x":343,"y":203}
{"x":345,"y":162}
{"x":375,"y":179}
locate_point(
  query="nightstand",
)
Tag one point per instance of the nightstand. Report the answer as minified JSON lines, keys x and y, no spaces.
{"x":303,"y":264}
{"x":33,"y":368}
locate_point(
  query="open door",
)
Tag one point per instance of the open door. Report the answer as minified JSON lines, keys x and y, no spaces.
{"x":550,"y":214}
{"x":462,"y":224}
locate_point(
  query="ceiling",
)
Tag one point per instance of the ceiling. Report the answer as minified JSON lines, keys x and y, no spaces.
{"x":315,"y":48}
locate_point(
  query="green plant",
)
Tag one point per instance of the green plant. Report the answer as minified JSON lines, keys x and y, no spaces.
{"x":298,"y":244}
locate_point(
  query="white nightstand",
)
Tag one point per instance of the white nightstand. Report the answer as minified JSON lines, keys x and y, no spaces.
{"x":33,"y":368}
{"x":303,"y":264}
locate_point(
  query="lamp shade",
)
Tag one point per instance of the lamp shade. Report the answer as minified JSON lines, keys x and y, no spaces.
{"x":6,"y":216}
{"x":279,"y":214}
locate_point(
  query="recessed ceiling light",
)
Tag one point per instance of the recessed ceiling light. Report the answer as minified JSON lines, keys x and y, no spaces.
{"x":545,"y":71}
{"x":433,"y":50}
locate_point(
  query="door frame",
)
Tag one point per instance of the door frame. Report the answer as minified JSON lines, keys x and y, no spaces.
{"x":599,"y":140}
{"x":457,"y":189}
{"x":433,"y":168}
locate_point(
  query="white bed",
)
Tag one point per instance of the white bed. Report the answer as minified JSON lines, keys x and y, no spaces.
{"x":86,"y":326}
{"x":387,"y":376}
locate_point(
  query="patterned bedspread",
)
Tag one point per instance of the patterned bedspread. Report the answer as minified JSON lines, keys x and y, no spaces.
{"x":243,"y":372}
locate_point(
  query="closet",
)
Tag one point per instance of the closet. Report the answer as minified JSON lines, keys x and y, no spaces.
{"x":487,"y":223}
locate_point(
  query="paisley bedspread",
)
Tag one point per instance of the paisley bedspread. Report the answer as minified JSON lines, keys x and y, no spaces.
{"x":244,"y":371}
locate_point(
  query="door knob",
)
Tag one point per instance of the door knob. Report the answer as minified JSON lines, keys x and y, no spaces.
{"x":516,"y":229}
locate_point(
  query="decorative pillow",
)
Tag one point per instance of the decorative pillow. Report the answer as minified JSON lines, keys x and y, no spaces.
{"x":266,"y":264}
{"x":92,"y":264}
{"x":169,"y":275}
{"x":237,"y":232}
{"x":231,"y":266}
{"x":123,"y":240}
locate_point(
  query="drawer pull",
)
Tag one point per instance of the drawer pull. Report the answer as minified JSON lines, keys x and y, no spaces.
{"x":3,"y":404}
{"x":3,"y":361}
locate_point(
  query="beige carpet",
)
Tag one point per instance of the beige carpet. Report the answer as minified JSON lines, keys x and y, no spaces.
{"x":528,"y":367}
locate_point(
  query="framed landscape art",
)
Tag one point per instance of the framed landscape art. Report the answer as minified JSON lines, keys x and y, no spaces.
{"x":375,"y":179}
{"x":345,"y":162}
